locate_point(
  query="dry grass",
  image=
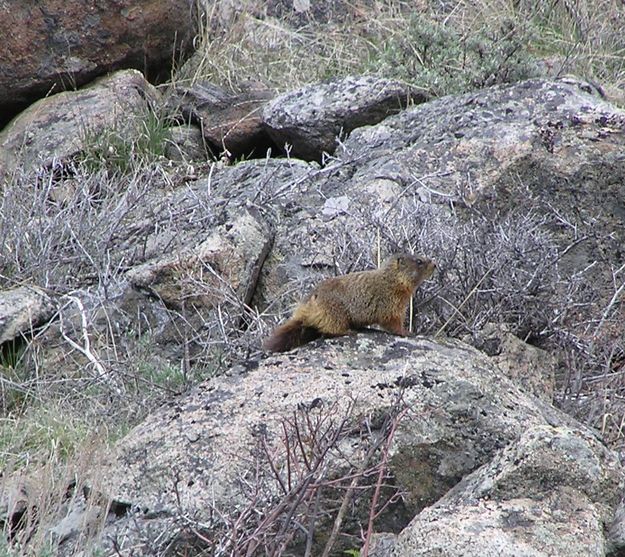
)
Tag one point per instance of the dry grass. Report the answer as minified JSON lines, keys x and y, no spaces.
{"x":469,"y":43}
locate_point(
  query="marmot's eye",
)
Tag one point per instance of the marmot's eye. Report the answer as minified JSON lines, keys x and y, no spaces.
{"x":419,"y":261}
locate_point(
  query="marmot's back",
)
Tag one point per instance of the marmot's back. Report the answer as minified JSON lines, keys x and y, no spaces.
{"x":354,"y":300}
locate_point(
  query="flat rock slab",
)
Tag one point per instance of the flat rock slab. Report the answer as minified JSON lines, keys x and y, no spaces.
{"x":310,"y":120}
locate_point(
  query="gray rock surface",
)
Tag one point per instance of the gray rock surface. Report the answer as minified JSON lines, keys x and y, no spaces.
{"x":185,"y":143}
{"x":80,"y":518}
{"x":56,"y":128}
{"x":223,"y":266}
{"x":22,"y":310}
{"x":551,"y":492}
{"x":529,"y":367}
{"x":616,"y":531}
{"x":501,"y":146}
{"x":311,"y":119}
{"x":462,"y":412}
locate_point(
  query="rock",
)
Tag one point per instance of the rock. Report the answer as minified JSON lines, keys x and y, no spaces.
{"x":529,"y":367}
{"x":616,"y":531}
{"x":64,"y":45}
{"x":311,"y":119}
{"x":561,"y":525}
{"x":381,"y":544}
{"x":22,"y":310}
{"x":551,"y":492}
{"x":462,"y":413}
{"x":471,"y":148}
{"x":81,"y":517}
{"x":58,"y":127}
{"x":227,"y":262}
{"x":230,"y":123}
{"x":185,"y":143}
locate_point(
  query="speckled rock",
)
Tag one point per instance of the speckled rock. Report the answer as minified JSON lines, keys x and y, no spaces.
{"x":185,"y":143}
{"x":462,"y":412}
{"x":528,"y":366}
{"x":485,"y":147}
{"x":552,"y":492}
{"x":311,"y":119}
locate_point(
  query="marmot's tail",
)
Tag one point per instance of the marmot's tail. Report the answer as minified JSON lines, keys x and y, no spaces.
{"x":293,"y":333}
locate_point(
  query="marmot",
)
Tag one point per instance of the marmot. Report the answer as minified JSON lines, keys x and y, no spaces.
{"x":355,"y":300}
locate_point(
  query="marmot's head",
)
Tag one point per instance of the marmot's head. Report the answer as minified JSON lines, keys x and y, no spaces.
{"x":415,"y":268}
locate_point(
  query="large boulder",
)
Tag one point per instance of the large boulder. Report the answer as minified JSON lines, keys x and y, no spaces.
{"x":22,"y":310}
{"x":55,"y":45}
{"x":58,"y":127}
{"x":454,"y":412}
{"x":552,"y":492}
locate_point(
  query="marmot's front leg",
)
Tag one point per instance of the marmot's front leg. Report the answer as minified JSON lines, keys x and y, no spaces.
{"x":394,"y":325}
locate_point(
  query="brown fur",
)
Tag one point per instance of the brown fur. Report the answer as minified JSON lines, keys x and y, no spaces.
{"x":355,"y":300}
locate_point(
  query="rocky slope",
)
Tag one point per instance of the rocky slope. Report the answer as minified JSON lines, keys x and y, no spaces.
{"x":516,"y":192}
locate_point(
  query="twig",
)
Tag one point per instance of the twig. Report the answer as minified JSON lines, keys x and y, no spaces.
{"x":340,"y":515}
{"x":376,"y":494}
{"x":85,"y":350}
{"x":607,"y":310}
{"x":444,"y":326}
{"x":311,"y":523}
{"x":336,"y":527}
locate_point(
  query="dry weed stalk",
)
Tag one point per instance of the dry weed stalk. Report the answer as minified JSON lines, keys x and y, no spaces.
{"x":303,"y":479}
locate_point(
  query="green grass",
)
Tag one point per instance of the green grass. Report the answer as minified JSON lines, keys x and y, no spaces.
{"x":165,"y":376}
{"x":43,"y":431}
{"x":7,"y":550}
{"x":125,"y":148}
{"x":443,"y":61}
